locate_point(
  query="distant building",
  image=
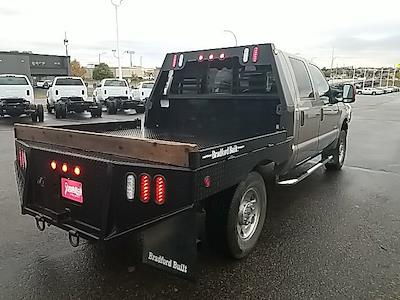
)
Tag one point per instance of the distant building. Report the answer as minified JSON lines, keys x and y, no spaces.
{"x":35,"y":66}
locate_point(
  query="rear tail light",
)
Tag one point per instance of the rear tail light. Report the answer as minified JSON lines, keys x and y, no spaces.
{"x":28,"y":92}
{"x":105,"y":92}
{"x":77,"y":171}
{"x":56,"y":92}
{"x":246,"y":53}
{"x":126,"y":92}
{"x":180,"y":61}
{"x":22,"y":159}
{"x":130,"y":186}
{"x":83,"y":92}
{"x":160,"y":187}
{"x":174,"y":59}
{"x":254,"y":57}
{"x":145,"y":188}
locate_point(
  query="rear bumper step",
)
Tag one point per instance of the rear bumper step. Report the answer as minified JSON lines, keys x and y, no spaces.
{"x":302,"y":176}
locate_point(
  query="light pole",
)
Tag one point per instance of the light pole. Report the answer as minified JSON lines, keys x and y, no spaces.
{"x":66,"y":43}
{"x":117,"y":3}
{"x":380,"y":80}
{"x":394,"y":76}
{"x":233,"y":34}
{"x":100,"y":54}
{"x":373,"y":77}
{"x":365,"y":78}
{"x":131,"y":53}
{"x":387,"y":79}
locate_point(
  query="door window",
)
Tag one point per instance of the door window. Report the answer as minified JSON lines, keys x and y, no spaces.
{"x":302,"y":78}
{"x":321,"y":85}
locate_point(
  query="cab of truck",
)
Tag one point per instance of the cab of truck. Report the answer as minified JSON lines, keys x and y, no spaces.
{"x":66,"y":87}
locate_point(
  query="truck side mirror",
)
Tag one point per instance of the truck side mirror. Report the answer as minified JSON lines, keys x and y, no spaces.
{"x":349,"y":93}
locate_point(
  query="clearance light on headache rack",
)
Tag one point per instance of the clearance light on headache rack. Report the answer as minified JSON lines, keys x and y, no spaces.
{"x":22,"y":159}
{"x":254,"y":57}
{"x":201,"y":57}
{"x":64,"y":167}
{"x":211,"y":56}
{"x":77,"y":171}
{"x":53,"y":165}
{"x":246,"y":53}
{"x":174,"y":60}
{"x":222,"y":56}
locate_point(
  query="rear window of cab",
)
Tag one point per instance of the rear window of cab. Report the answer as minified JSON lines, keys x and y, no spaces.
{"x":11,"y":80}
{"x":69,"y":81}
{"x":118,"y":83}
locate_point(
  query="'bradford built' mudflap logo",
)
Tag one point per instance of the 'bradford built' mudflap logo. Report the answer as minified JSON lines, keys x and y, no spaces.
{"x":223,"y":152}
{"x":170,"y":263}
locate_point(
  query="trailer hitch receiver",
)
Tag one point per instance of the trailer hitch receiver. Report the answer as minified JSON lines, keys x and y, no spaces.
{"x":73,"y":238}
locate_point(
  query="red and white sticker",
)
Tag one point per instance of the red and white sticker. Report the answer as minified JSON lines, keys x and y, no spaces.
{"x":72,"y":190}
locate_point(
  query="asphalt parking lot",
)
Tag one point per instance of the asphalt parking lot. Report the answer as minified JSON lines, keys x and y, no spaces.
{"x":335,"y":235}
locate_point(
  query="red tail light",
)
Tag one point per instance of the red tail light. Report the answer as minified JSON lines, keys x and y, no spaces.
{"x":159,"y":189}
{"x":145,"y":188}
{"x":174,"y":59}
{"x":254,"y":57}
{"x":22,"y":159}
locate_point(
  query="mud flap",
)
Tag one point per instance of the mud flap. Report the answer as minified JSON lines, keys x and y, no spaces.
{"x":171,"y":245}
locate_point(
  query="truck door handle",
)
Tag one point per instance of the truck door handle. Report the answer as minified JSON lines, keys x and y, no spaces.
{"x":301,"y":118}
{"x":322,"y":114}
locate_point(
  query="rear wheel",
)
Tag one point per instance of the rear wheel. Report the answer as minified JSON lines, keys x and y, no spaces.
{"x":57,"y":109}
{"x":339,"y":153}
{"x":242,"y":218}
{"x":49,"y":108}
{"x":40,"y":113}
{"x":112,"y":107}
{"x":34,"y":117}
{"x":374,"y":93}
{"x":140,"y":109}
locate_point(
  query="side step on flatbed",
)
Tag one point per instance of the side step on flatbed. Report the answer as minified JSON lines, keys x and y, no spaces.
{"x":305,"y":174}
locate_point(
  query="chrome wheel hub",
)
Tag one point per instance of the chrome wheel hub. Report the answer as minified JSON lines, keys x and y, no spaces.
{"x":248,"y":214}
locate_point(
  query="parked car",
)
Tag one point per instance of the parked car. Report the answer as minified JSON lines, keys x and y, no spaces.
{"x":370,"y":91}
{"x":216,"y":118}
{"x":69,"y":94}
{"x":16,"y":98}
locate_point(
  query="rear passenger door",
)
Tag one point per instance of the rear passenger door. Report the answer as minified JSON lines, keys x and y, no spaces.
{"x":307,"y":112}
{"x":330,"y":114}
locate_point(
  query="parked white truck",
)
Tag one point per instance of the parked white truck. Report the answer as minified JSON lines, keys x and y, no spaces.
{"x":16,"y":98}
{"x":143,"y":90}
{"x":69,"y":94}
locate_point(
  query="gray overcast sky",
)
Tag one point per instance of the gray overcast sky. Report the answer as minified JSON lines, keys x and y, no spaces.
{"x":364,"y":33}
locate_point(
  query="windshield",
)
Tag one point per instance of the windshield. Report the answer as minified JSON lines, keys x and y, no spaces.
{"x":13,"y":81}
{"x":115,"y":83}
{"x":148,"y":85}
{"x":226,"y":77}
{"x":69,"y":81}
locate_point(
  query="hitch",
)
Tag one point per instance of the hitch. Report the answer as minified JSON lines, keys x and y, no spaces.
{"x":40,"y":223}
{"x":73,"y":238}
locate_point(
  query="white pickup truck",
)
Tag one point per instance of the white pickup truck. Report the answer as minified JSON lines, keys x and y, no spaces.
{"x":110,"y":88}
{"x":69,"y":94}
{"x":143,"y":90}
{"x":16,"y":98}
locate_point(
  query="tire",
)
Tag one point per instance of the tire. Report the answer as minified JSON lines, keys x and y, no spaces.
{"x":49,"y":108}
{"x":111,"y":108}
{"x":34,"y":117}
{"x":140,"y":109}
{"x":40,"y":113}
{"x":63,"y":110}
{"x":57,"y":109}
{"x":373,"y":93}
{"x":339,"y":153}
{"x":229,"y":217}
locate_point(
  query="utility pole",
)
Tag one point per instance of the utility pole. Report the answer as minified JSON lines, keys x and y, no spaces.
{"x":365,"y":78}
{"x":380,"y":81}
{"x":387,"y":79}
{"x":394,"y":76}
{"x":131,"y":53}
{"x":333,"y":53}
{"x":66,"y":43}
{"x":117,"y":3}
{"x":373,"y":77}
{"x":100,"y":54}
{"x":354,"y":74}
